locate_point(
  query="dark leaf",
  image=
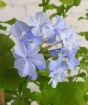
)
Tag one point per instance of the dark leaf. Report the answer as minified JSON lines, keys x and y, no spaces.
{"x":6,"y":44}
{"x":2,"y":27}
{"x":9,"y":78}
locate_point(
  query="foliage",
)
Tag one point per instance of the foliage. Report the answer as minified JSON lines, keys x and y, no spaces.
{"x":60,"y":10}
{"x":83,"y":51}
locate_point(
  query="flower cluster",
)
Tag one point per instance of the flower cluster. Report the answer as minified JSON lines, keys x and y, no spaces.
{"x":32,"y":35}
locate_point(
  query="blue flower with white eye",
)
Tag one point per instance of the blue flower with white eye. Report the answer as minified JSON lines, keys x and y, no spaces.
{"x":22,"y":32}
{"x":60,"y":25}
{"x":69,"y":39}
{"x":41,"y":26}
{"x":27,"y":59}
{"x":57,"y":71}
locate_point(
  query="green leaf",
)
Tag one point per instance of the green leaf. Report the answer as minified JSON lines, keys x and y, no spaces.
{"x":86,"y":14}
{"x":2,"y":27}
{"x":84,"y":64}
{"x":66,"y":93}
{"x":85,"y":34}
{"x":8,"y":60}
{"x":71,"y":2}
{"x":9,"y":78}
{"x":84,"y":17}
{"x":60,"y":10}
{"x":36,"y":96}
{"x":43,"y":73}
{"x":67,"y":2}
{"x":43,"y":80}
{"x":86,"y":92}
{"x":80,"y":18}
{"x":2,"y":4}
{"x":6,"y":44}
{"x":77,"y":2}
{"x":10,"y":22}
{"x":83,"y":54}
{"x":24,"y":98}
{"x":9,"y":95}
{"x":21,"y":102}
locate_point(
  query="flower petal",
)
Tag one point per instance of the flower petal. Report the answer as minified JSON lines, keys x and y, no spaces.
{"x":20,"y":50}
{"x":72,"y":63}
{"x":32,"y":21}
{"x":17,"y":29}
{"x":60,"y":24}
{"x":41,"y":17}
{"x":38,"y":60}
{"x":33,"y":49}
{"x":52,"y":66}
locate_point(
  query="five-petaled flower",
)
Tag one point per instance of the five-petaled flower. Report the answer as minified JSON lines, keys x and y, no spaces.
{"x":27,"y":59}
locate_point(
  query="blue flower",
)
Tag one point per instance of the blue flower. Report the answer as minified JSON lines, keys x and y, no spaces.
{"x":57,"y":71}
{"x":69,"y":39}
{"x":27,"y":59}
{"x":71,"y":60}
{"x":60,"y":25}
{"x":22,"y":32}
{"x":41,"y":26}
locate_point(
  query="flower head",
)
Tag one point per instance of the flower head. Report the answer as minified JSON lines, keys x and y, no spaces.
{"x":30,"y":37}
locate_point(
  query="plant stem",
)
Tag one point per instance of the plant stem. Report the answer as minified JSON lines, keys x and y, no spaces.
{"x":2,"y":100}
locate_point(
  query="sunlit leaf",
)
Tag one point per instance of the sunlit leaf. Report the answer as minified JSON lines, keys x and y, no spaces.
{"x":2,"y":4}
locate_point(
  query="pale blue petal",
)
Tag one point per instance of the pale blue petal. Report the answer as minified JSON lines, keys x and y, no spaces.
{"x":51,"y":37}
{"x":64,"y":65}
{"x":48,"y":33}
{"x":32,"y":21}
{"x":18,"y":28}
{"x":33,"y":74}
{"x":52,"y":66}
{"x":60,"y":58}
{"x":38,"y":60}
{"x":60,"y":24}
{"x":20,"y":50}
{"x":73,"y":63}
{"x":26,"y":68}
{"x":37,"y":31}
{"x":41,"y":17}
{"x":23,"y":67}
{"x":33,"y":49}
